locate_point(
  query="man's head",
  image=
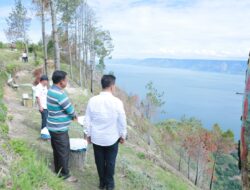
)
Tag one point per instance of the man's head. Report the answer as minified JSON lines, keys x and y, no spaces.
{"x":59,"y":78}
{"x":44,"y":80}
{"x":108,"y":83}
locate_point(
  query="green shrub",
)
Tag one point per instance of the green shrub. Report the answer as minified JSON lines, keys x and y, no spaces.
{"x":141,"y":155}
{"x":30,"y":172}
{"x":4,"y":129}
{"x":3,"y":109}
{"x":12,"y":68}
{"x":19,"y":147}
{"x":37,"y":62}
{"x":3,"y":112}
{"x":1,"y":45}
{"x":20,"y":45}
{"x":226,"y":169}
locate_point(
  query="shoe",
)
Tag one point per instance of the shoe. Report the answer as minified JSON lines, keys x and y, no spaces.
{"x":102,"y":186}
{"x":71,"y":179}
{"x":110,"y":188}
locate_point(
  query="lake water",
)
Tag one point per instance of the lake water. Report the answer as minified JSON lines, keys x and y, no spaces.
{"x":209,"y":97}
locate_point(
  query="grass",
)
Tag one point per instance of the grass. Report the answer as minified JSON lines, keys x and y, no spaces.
{"x":26,"y":170}
{"x":30,"y":172}
{"x":142,"y":173}
{"x":3,"y":108}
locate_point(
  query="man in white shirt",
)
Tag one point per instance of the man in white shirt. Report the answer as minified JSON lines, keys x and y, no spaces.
{"x":106,"y":126}
{"x":25,"y":57}
{"x":41,"y":97}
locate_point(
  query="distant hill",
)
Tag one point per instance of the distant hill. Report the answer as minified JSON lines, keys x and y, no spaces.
{"x":220,"y":66}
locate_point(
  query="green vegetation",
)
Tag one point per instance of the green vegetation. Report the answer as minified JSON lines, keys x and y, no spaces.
{"x":3,"y":109}
{"x":139,"y":165}
{"x":226,"y":170}
{"x":29,"y":172}
{"x":142,"y":173}
{"x":31,"y":169}
{"x":171,"y":155}
{"x":204,"y":156}
{"x":12,"y":68}
{"x":26,"y":171}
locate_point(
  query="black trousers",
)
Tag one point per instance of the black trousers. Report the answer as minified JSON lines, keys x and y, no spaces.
{"x":44,"y":115}
{"x":105,"y":158}
{"x":61,"y":151}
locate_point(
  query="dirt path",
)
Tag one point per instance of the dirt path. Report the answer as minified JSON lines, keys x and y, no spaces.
{"x":16,"y":113}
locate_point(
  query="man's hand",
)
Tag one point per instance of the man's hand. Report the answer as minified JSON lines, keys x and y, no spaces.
{"x":41,"y":109}
{"x":75,"y":118}
{"x":89,"y":140}
{"x":122,"y":140}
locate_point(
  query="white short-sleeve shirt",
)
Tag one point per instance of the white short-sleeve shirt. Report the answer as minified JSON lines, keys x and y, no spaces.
{"x":41,"y":93}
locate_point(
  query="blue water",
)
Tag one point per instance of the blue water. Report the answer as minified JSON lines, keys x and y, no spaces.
{"x":209,"y":97}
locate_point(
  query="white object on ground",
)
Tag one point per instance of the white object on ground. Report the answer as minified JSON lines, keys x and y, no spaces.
{"x":80,"y":120}
{"x":78,"y":144}
{"x":25,"y":96}
{"x":45,"y":133}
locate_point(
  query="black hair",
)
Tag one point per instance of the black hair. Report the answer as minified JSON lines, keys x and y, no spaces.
{"x":58,"y":76}
{"x":107,"y":81}
{"x":44,"y":77}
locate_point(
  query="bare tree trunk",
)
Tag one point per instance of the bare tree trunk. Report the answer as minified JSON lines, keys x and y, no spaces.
{"x":70,"y":60}
{"x":79,"y":51}
{"x":69,"y":50}
{"x":189,"y":167}
{"x":149,"y":135}
{"x":86,"y":40}
{"x":180,"y":158}
{"x":55,"y":36}
{"x":44,"y":39}
{"x":76,"y":40}
{"x":197,"y":170}
{"x":211,"y":180}
{"x":92,"y":64}
{"x":26,"y":47}
{"x":148,"y":116}
{"x":83,"y":46}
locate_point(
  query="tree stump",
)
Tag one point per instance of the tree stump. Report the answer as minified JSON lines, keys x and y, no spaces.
{"x":77,"y":157}
{"x":27,"y":101}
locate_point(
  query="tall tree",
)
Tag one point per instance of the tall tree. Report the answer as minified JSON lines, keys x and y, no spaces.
{"x":153,"y":101}
{"x":103,"y":46}
{"x":55,"y":35}
{"x":42,"y":7}
{"x":151,"y":104}
{"x":18,"y":24}
{"x":68,"y":9}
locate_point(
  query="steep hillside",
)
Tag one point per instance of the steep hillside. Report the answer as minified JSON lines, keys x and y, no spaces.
{"x":139,"y":166}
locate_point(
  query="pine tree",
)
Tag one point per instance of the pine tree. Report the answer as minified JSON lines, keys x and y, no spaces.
{"x":18,"y":24}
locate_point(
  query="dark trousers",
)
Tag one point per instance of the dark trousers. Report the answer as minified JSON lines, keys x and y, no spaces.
{"x":105,"y":157}
{"x":61,"y":151}
{"x":44,"y":115}
{"x":25,"y":59}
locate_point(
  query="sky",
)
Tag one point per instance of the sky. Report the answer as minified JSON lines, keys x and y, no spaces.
{"x":193,"y":29}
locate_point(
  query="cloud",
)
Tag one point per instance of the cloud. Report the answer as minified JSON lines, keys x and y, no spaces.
{"x":4,"y":10}
{"x":177,"y":28}
{"x":214,"y":29}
